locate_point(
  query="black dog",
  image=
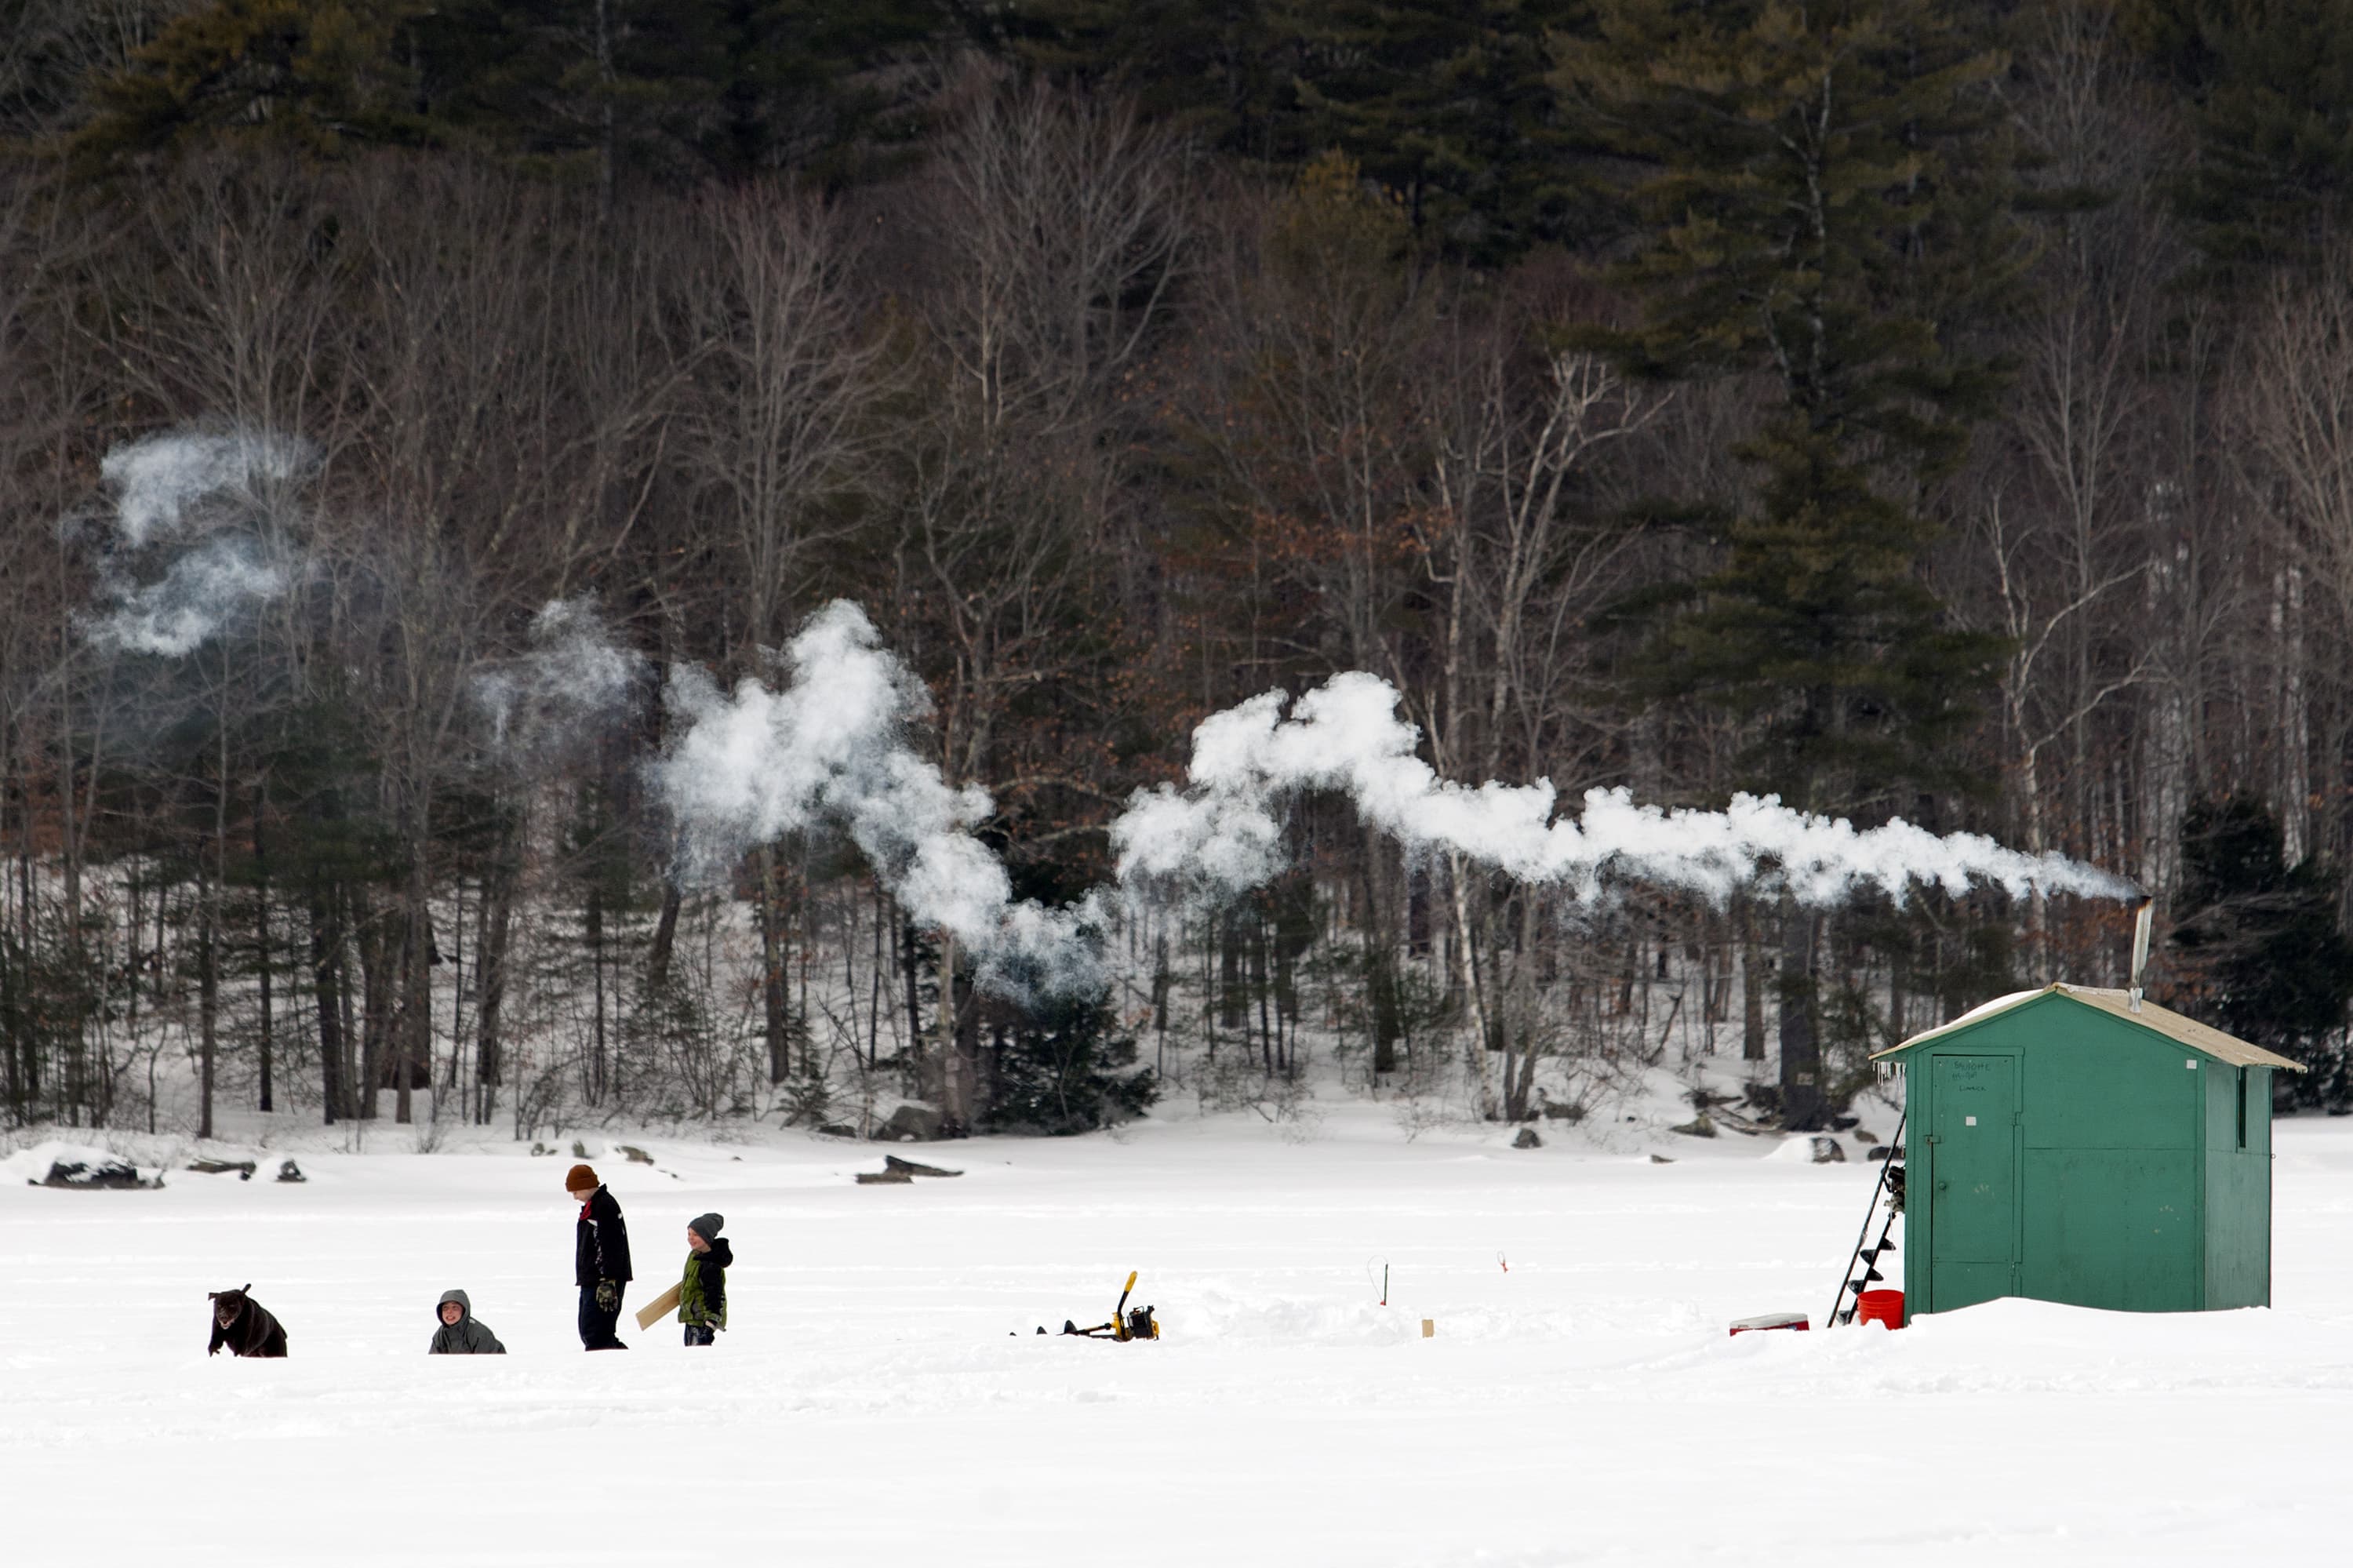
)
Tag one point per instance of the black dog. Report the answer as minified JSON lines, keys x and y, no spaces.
{"x":244,"y":1325}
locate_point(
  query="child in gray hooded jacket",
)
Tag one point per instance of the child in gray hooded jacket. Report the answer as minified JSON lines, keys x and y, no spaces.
{"x":461,"y":1333}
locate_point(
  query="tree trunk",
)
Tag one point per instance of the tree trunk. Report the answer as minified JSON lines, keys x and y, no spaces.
{"x":375,"y":1016}
{"x":1752,"y":987}
{"x":955,"y":1092}
{"x":448,"y":1079}
{"x":1515,"y":1000}
{"x":1162,"y":981}
{"x":415,"y":1045}
{"x":349,"y":999}
{"x":326,"y":944}
{"x":904,"y":931}
{"x":665,"y":939}
{"x":1260,"y":987}
{"x":1480,"y":1037}
{"x":208,"y":938}
{"x":1233,"y":1002}
{"x":776,"y":1005}
{"x":491,"y":983}
{"x":1380,"y":976}
{"x":2294,"y":723}
{"x":73,"y":828}
{"x":16,"y":1041}
{"x":207,"y":997}
{"x":261,"y":945}
{"x":2038,"y":903}
{"x":1802,"y":1062}
{"x":595,"y":1087}
{"x":2166,"y":761}
{"x":874,"y":973}
{"x":608,"y":150}
{"x":967,"y":1047}
{"x":1899,"y":990}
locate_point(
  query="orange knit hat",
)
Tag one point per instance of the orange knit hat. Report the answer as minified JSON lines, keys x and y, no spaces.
{"x":581,"y":1180}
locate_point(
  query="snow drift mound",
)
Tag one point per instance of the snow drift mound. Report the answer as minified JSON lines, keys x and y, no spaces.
{"x":57,"y":1163}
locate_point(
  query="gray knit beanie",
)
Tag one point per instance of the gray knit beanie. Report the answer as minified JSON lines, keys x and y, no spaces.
{"x":707,"y":1226}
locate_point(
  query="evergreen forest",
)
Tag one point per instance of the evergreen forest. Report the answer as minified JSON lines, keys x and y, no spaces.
{"x":1934,"y":409}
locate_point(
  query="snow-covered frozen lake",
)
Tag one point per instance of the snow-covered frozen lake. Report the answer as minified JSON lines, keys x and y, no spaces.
{"x":881,"y":1397}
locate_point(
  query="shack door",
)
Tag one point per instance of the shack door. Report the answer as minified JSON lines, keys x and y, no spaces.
{"x":1973,"y":1163}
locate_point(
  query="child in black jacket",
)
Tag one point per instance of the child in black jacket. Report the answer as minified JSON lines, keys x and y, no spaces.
{"x":600,"y":1259}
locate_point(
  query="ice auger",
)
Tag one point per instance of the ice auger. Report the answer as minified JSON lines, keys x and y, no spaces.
{"x":1886,"y":1203}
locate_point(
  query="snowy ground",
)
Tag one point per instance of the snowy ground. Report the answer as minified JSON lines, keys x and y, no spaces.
{"x":882,"y":1400}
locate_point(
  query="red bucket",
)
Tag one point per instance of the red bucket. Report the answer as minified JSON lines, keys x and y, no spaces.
{"x":1880,"y":1306}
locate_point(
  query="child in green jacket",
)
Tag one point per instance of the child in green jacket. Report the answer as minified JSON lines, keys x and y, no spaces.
{"x":702,"y":1292}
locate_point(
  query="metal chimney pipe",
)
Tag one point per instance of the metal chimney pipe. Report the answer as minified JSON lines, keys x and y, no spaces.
{"x":2141,"y":921}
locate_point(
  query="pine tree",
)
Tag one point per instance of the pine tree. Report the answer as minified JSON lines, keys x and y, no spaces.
{"x":1822,"y":191}
{"x":590,"y":88}
{"x":2262,"y":944}
{"x":816,"y":85}
{"x":615,"y":90}
{"x":1220,"y":70}
{"x":319,"y":77}
{"x":2272,"y":90}
{"x":1447,"y":103}
{"x":1061,"y":1067}
{"x":1444,"y":102}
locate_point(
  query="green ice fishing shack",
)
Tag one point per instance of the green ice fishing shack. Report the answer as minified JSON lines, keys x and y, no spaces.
{"x":2090,"y":1147}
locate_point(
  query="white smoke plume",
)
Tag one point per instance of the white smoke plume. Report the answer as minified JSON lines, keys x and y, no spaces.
{"x":1219,"y":834}
{"x":205,"y":502}
{"x":829,"y":747}
{"x":574,"y":676}
{"x":162,"y":480}
{"x":198,"y":594}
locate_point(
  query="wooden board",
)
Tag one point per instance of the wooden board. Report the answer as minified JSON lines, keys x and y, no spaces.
{"x":660,"y":1306}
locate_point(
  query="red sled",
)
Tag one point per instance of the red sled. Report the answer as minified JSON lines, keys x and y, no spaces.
{"x":1771,"y":1321}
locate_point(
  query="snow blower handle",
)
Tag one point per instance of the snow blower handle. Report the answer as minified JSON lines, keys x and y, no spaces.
{"x":1119,"y":1313}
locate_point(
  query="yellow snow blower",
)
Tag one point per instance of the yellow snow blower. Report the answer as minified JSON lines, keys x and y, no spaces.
{"x":1124,"y":1326}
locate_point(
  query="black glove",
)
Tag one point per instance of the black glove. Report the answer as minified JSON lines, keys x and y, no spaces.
{"x":608,"y":1295}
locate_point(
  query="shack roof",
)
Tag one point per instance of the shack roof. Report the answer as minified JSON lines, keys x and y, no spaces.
{"x":2201,"y":1038}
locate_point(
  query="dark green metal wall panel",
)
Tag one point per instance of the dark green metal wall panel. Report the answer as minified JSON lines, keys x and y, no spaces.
{"x":2224,"y":1086}
{"x":2238,"y":1261}
{"x":2113,"y":1168}
{"x":2095,"y":1082}
{"x":2115,"y":1228}
{"x":1957,"y":1285}
{"x":2238,"y":1233}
